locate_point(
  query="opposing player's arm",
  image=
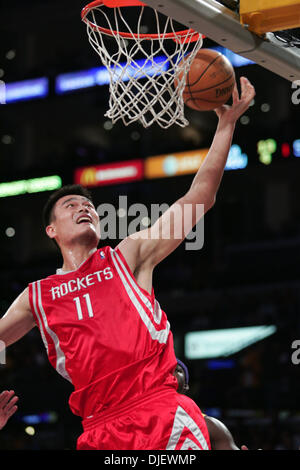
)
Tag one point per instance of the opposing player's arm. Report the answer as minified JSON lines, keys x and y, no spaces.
{"x":220,"y":436}
{"x":152,"y":245}
{"x":17,"y":321}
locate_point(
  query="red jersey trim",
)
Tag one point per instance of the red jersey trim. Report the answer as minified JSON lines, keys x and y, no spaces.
{"x":141,"y":301}
{"x":53,"y":347}
{"x":148,"y":299}
{"x":120,"y":254}
{"x":152,"y":304}
{"x":33,"y":305}
{"x":183,"y":419}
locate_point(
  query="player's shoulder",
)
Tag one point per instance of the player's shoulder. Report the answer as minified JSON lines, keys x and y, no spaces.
{"x":22,"y":301}
{"x":216,"y":424}
{"x":220,"y":436}
{"x":24,"y":294}
{"x":213,"y":421}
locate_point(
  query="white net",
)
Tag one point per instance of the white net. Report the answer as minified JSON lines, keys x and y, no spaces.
{"x":141,"y":68}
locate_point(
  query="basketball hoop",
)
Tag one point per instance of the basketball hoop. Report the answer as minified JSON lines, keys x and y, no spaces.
{"x":141,"y":65}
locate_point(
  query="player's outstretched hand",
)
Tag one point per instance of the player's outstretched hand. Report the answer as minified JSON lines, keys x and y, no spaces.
{"x":8,"y":407}
{"x":240,"y":104}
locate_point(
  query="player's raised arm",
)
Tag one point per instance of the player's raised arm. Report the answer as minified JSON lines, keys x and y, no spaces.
{"x":154,"y":244}
{"x":17,"y":321}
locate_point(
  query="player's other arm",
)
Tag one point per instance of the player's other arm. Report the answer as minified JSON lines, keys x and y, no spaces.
{"x":17,"y":321}
{"x":149,"y":247}
{"x":220,"y":436}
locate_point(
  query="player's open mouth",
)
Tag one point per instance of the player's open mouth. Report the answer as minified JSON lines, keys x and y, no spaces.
{"x":84,"y":219}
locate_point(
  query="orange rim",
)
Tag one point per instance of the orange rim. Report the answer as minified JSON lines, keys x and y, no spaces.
{"x":123,"y":3}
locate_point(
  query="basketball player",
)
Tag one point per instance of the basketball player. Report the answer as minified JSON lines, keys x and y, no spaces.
{"x":8,"y":407}
{"x":220,"y":436}
{"x":103,"y":329}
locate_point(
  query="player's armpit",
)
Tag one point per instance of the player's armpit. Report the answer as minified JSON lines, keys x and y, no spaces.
{"x":17,"y":321}
{"x":130,"y":248}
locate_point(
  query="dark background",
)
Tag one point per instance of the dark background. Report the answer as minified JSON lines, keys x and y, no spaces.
{"x":246,"y":274}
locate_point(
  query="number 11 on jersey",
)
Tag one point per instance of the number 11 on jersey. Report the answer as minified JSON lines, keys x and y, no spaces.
{"x":77,"y":301}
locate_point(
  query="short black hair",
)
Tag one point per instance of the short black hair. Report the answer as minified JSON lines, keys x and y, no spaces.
{"x":64,"y":191}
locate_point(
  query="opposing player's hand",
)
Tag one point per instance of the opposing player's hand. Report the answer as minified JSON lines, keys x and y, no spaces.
{"x":7,"y":406}
{"x":246,"y":448}
{"x":240,"y":104}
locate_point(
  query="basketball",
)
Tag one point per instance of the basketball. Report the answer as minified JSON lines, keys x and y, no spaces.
{"x":209,"y":82}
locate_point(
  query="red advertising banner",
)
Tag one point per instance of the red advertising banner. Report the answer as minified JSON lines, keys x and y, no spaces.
{"x":111,"y":173}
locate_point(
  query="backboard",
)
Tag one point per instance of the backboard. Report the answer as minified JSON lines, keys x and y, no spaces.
{"x":222,"y":25}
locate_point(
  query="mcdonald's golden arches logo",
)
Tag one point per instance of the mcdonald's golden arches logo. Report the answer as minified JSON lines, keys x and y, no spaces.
{"x":88,"y":177}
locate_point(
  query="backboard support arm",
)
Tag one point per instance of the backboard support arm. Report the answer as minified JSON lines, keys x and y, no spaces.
{"x":222,"y":25}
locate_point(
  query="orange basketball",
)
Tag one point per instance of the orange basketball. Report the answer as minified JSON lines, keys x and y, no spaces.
{"x":209,"y":82}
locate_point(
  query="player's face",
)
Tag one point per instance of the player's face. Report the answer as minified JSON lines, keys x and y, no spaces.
{"x":75,"y":217}
{"x":180,"y":376}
